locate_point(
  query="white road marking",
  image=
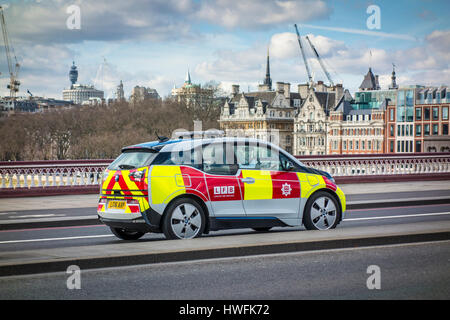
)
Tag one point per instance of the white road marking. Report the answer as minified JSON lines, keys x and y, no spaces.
{"x":53,"y":239}
{"x":399,"y":216}
{"x":38,"y":216}
{"x":111,"y":235}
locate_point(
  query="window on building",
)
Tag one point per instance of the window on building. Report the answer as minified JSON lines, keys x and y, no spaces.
{"x":444,"y":113}
{"x":418,"y":146}
{"x":426,"y":130}
{"x":369,"y":145}
{"x":344,"y":145}
{"x":363,"y":145}
{"x":418,"y":130}
{"x":391,"y":130}
{"x":398,"y":146}
{"x":435,"y":129}
{"x":426,"y":113}
{"x":351,"y":145}
{"x":356,"y":145}
{"x":435,"y":113}
{"x":403,"y":146}
{"x":445,"y":129}
{"x":399,"y":130}
{"x":391,"y":114}
{"x":418,"y":113}
{"x":391,"y":146}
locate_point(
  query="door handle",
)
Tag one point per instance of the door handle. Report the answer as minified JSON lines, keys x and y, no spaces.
{"x":248,"y":180}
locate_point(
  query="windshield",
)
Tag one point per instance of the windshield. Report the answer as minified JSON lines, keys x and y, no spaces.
{"x":132,"y":160}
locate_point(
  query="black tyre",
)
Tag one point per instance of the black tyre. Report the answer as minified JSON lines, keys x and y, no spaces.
{"x":184,"y":219}
{"x":322,"y":212}
{"x":125,"y":234}
{"x":262,"y":229}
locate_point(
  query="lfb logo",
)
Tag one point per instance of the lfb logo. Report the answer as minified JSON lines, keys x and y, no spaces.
{"x":224,"y":190}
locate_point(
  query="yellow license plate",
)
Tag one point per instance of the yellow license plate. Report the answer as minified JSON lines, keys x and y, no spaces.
{"x":117,"y":204}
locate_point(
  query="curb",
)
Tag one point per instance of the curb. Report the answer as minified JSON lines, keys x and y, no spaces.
{"x":61,"y":265}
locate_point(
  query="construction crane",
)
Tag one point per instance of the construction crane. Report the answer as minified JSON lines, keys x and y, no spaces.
{"x":320,"y":61}
{"x":14,"y":84}
{"x":303,"y":55}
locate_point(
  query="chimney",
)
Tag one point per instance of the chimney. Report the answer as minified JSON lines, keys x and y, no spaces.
{"x":234,"y":90}
{"x":303,"y":90}
{"x":287,"y":90}
{"x":280,"y":87}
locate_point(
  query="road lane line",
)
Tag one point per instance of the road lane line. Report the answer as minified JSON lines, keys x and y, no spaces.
{"x":401,"y":207}
{"x":400,"y":216}
{"x":54,"y":228}
{"x":53,"y":239}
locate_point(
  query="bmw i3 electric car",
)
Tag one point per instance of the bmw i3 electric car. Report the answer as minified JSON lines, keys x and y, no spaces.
{"x":189,"y":187}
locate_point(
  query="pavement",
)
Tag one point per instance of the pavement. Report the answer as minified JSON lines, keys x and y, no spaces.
{"x":124,"y":253}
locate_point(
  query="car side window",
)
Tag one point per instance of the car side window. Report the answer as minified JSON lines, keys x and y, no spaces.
{"x":219,"y":158}
{"x":257,"y":157}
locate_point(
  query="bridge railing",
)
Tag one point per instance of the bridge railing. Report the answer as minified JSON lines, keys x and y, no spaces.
{"x":63,"y":173}
{"x":382,"y":164}
{"x":46,"y":175}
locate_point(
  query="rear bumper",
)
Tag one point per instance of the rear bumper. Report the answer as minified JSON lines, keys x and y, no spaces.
{"x":138,"y":224}
{"x":147,"y":221}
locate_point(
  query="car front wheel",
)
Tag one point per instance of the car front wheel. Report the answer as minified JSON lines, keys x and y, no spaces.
{"x":322,"y":212}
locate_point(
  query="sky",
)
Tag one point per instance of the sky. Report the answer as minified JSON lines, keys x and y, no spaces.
{"x":153,"y":43}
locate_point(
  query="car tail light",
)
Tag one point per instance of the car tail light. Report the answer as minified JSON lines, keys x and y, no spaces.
{"x":137,"y":175}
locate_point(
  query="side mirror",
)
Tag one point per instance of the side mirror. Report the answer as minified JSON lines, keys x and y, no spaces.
{"x":288,"y":166}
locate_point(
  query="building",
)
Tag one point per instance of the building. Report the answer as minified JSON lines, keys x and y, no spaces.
{"x":265,"y":114}
{"x":355,"y":130}
{"x":370,"y":82}
{"x":193,"y":95}
{"x":78,"y":93}
{"x":140,"y":94}
{"x":120,"y":95}
{"x":311,"y":119}
{"x":431,"y":120}
{"x":358,"y":125}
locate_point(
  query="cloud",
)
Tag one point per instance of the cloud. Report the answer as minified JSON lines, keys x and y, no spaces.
{"x":426,"y":63}
{"x":253,"y":14}
{"x":101,"y":20}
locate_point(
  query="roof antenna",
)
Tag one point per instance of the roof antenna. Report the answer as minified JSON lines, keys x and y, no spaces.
{"x":162,"y":138}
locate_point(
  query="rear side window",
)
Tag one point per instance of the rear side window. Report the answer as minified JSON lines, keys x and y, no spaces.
{"x":132,"y":160}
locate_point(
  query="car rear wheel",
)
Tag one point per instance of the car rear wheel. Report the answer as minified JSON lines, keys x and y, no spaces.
{"x":262,"y":229}
{"x":322,"y":212}
{"x":125,"y":234}
{"x":184,"y":219}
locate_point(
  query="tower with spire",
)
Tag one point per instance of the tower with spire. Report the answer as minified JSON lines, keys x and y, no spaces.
{"x":393,"y":79}
{"x":188,"y":78}
{"x":73,"y":74}
{"x":267,"y":83}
